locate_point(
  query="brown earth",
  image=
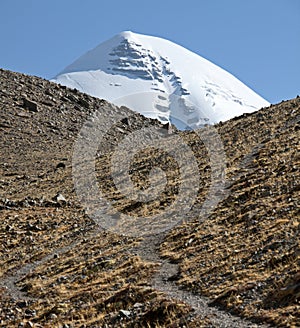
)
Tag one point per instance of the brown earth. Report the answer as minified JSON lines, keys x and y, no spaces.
{"x":60,"y":269}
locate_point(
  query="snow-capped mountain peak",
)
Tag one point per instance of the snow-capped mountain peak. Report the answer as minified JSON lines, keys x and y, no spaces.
{"x":160,"y":79}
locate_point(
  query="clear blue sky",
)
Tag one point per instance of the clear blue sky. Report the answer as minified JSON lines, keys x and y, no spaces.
{"x":256,"y":40}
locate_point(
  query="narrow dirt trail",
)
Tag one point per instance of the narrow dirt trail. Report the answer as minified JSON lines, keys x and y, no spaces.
{"x":148,"y":250}
{"x":163,"y":281}
{"x":9,"y":282}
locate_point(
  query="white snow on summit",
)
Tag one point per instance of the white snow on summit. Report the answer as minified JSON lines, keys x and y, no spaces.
{"x":161,"y":80}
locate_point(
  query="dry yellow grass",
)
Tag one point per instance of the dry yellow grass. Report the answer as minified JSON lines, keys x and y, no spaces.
{"x":245,"y":256}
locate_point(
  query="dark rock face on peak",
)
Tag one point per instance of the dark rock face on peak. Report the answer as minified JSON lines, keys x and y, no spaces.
{"x":58,"y":268}
{"x":132,"y":60}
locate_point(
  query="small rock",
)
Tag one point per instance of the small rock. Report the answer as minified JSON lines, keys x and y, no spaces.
{"x":30,"y":313}
{"x":8,"y":228}
{"x":125,"y":121}
{"x":83,"y":103}
{"x":4,"y":125}
{"x":60,"y":199}
{"x":22,"y":304}
{"x":26,"y":288}
{"x":29,"y":324}
{"x":33,"y":227}
{"x":125,"y":314}
{"x":60,"y":166}
{"x":168,"y":127}
{"x":30,"y":105}
{"x":137,"y":305}
{"x":62,"y":279}
{"x":52,"y":316}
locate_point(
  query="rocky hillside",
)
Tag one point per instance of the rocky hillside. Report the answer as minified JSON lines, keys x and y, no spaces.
{"x":237,"y":268}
